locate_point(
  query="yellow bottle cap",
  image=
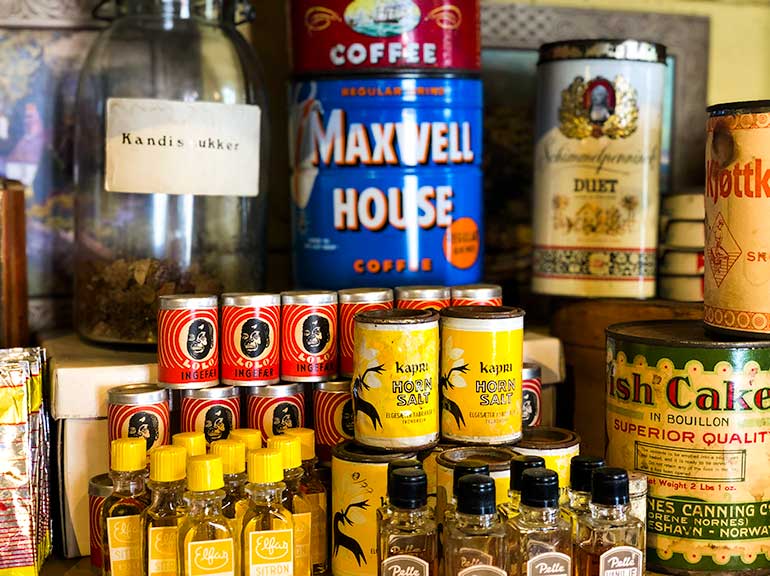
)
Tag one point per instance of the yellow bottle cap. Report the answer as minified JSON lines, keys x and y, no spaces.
{"x":265,"y":466}
{"x":128,"y":454}
{"x":232,"y":453}
{"x":204,"y":473}
{"x":290,"y":447}
{"x":193,"y":442}
{"x":168,"y":464}
{"x":252,"y":438}
{"x":307,"y":440}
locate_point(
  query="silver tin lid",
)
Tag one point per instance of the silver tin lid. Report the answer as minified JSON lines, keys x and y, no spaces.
{"x":309,"y":297}
{"x":250,"y":300}
{"x":341,"y":385}
{"x":211,"y":393}
{"x":187,"y":301}
{"x":603,"y":49}
{"x":276,"y":390}
{"x":400,"y":316}
{"x":477,"y":291}
{"x":531,"y":371}
{"x":100,"y":486}
{"x":359,"y":295}
{"x":136,"y":394}
{"x":422,"y":292}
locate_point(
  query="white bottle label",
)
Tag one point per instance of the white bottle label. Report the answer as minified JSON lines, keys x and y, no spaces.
{"x":621,"y":561}
{"x":549,"y":564}
{"x":190,"y":148}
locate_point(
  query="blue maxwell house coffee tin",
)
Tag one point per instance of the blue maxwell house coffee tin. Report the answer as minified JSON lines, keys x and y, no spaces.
{"x":386,"y":181}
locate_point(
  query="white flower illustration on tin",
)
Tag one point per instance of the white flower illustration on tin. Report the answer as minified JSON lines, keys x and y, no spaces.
{"x":453,"y":379}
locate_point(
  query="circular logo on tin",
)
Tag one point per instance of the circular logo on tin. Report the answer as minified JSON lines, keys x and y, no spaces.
{"x":314,"y":334}
{"x":382,"y":18}
{"x":144,"y":425}
{"x":285,"y":415}
{"x":199,"y":339}
{"x":255,"y":340}
{"x":217,"y":423}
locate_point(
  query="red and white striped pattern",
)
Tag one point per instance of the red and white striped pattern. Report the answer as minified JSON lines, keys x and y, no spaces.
{"x":327,"y":417}
{"x":173,"y":359}
{"x":294,"y":354}
{"x":95,"y":529}
{"x":494,"y":301}
{"x":233,"y":318}
{"x":194,"y":412}
{"x":347,"y":343}
{"x":416,"y":304}
{"x":118,"y":416}
{"x":261,"y":410}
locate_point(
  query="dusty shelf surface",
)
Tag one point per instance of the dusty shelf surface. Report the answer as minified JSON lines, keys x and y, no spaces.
{"x":60,"y":567}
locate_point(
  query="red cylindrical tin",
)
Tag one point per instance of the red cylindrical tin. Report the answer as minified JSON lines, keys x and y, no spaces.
{"x":213,"y":411}
{"x":333,"y":416}
{"x":99,"y":488}
{"x":188,"y":347}
{"x":251,"y":341}
{"x":477,"y":295}
{"x":274,"y":408}
{"x":139,"y":411}
{"x":351,"y":302}
{"x":343,"y":36}
{"x":423,"y":297}
{"x":532,"y":394}
{"x":308,"y":336}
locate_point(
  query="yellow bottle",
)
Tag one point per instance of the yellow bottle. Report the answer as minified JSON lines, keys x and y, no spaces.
{"x":252,"y":438}
{"x":160,"y":521}
{"x":121,"y":522}
{"x":193,"y":442}
{"x":268,"y":529}
{"x":206,"y":545}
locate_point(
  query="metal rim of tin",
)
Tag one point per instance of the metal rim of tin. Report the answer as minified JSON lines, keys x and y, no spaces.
{"x":137,"y":394}
{"x":476,"y":291}
{"x":423,"y":292}
{"x":743,"y":107}
{"x":626,"y":49}
{"x":276,"y":390}
{"x":397,"y":316}
{"x":548,"y":438}
{"x":100,"y":486}
{"x":531,"y":371}
{"x":309,"y":297}
{"x":250,"y":299}
{"x":338,"y":385}
{"x":364,"y":295}
{"x":350,"y":451}
{"x":451,"y":457}
{"x":482,"y":312}
{"x":212,"y":393}
{"x":187,"y":301}
{"x":673,"y":335}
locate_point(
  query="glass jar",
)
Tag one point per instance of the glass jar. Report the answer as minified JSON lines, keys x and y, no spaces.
{"x":170,"y":136}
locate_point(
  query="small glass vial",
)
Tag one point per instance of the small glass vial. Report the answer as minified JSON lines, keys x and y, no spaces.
{"x":386,"y":509}
{"x":463,"y":468}
{"x":475,"y":542}
{"x":267,"y":544}
{"x":121,"y":521}
{"x":193,"y":442}
{"x":579,"y":492}
{"x":610,"y":536}
{"x":205,"y":536}
{"x":236,"y":501}
{"x":311,"y":486}
{"x":519,"y":464}
{"x":160,"y":520}
{"x":540,"y":539}
{"x":407,"y":541}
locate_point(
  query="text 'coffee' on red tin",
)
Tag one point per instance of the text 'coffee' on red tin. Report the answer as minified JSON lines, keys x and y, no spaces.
{"x":99,"y":488}
{"x":251,"y":341}
{"x":213,"y":411}
{"x":477,"y":295}
{"x":332,"y":416}
{"x":139,"y":411}
{"x":308,"y":336}
{"x":272,"y":409}
{"x":353,"y":301}
{"x":188,"y":341}
{"x":423,"y":297}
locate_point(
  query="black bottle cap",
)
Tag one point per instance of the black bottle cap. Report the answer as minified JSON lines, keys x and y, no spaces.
{"x":609,"y":486}
{"x":476,"y":494}
{"x":465,"y":467}
{"x":519,"y":463}
{"x":397,"y":464}
{"x":540,"y":488}
{"x":580,"y":470}
{"x":410,"y":488}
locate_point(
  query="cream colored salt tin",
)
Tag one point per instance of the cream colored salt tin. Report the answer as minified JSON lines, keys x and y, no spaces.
{"x":681,"y":288}
{"x":684,"y":235}
{"x":685,"y":206}
{"x":597,"y":162}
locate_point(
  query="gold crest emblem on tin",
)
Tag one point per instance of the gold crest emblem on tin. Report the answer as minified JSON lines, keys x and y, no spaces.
{"x":598,"y":108}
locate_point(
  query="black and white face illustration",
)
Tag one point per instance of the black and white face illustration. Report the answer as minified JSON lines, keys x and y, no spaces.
{"x":219,"y":422}
{"x":200,"y":339}
{"x":528,"y":407}
{"x":348,"y":418}
{"x":144,"y":425}
{"x":255,"y":337}
{"x":286,"y":415}
{"x":600,"y":104}
{"x":315,"y":333}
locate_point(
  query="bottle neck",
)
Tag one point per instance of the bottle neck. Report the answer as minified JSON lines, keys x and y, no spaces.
{"x":204,"y":504}
{"x":515,"y":498}
{"x":235,"y":483}
{"x":308,"y":467}
{"x":475,"y":522}
{"x":169,"y":494}
{"x":292,"y":477}
{"x":408,"y":515}
{"x":613,"y":513}
{"x":266,"y":494}
{"x":128,"y":483}
{"x":537,"y":515}
{"x":579,"y":501}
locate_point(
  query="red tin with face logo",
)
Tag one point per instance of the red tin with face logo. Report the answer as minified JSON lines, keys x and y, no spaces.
{"x":332,"y":416}
{"x":363,"y":36}
{"x":188,"y":347}
{"x":532,"y":394}
{"x":308,"y":336}
{"x":477,"y":295}
{"x":99,"y":488}
{"x":251,"y":342}
{"x":352,"y":302}
{"x":272,"y":409}
{"x":213,"y":411}
{"x":139,"y":411}
{"x":423,"y":297}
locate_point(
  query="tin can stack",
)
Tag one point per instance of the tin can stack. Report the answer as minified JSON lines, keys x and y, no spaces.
{"x":682,"y":233}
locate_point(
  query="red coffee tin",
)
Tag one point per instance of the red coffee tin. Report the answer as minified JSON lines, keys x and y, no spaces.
{"x":272,"y":409}
{"x":351,"y":302}
{"x":251,"y":341}
{"x":99,"y":488}
{"x":188,"y":347}
{"x":213,"y":411}
{"x":333,"y":36}
{"x":532,"y":395}
{"x":477,"y":295}
{"x":423,"y":297}
{"x":139,"y":411}
{"x":308,"y":336}
{"x":333,"y":416}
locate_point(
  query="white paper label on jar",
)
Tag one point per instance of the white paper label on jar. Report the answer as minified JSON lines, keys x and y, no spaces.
{"x":191,"y":148}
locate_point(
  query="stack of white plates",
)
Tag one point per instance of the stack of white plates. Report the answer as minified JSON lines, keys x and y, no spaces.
{"x":682,"y":238}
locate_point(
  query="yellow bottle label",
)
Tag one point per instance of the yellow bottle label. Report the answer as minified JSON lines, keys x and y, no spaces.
{"x":211,"y":558}
{"x":302,"y":541}
{"x":161,"y":551}
{"x":271,"y":553}
{"x":125,"y":545}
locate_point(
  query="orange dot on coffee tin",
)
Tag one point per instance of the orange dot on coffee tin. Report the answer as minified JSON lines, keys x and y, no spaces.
{"x":461,"y":243}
